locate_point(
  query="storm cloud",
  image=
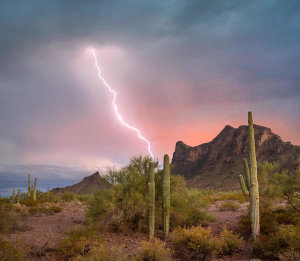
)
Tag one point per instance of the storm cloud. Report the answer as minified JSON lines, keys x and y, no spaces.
{"x":182,"y":70}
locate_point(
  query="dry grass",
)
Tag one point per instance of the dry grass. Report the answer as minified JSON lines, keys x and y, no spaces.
{"x":229,"y":206}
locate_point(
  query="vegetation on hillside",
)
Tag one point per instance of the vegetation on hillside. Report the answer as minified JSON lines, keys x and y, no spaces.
{"x":280,"y":216}
{"x":125,"y":205}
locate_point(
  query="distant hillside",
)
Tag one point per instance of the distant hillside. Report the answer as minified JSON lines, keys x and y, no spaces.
{"x":87,"y":186}
{"x":217,"y":164}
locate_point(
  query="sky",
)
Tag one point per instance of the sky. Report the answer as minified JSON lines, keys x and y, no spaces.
{"x":182,"y":70}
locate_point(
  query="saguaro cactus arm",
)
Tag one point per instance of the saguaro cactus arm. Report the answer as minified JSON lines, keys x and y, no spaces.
{"x":243,"y":186}
{"x":166,"y":196}
{"x":247,"y":173}
{"x":151,"y":192}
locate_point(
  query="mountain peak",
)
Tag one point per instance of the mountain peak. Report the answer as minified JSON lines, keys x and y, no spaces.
{"x":88,"y":185}
{"x":218,"y":163}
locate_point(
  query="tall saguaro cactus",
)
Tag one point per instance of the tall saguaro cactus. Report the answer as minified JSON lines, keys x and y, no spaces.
{"x":151,"y":192}
{"x":13,"y":196}
{"x":251,"y":187}
{"x":48,"y":195}
{"x":18,"y":198}
{"x":166,"y":196}
{"x":28,"y":192}
{"x":34,"y":190}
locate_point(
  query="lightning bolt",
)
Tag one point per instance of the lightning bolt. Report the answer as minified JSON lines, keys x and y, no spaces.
{"x":116,"y":107}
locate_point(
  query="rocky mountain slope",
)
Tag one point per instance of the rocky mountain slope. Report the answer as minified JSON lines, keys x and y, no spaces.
{"x":87,"y":186}
{"x":217,"y":164}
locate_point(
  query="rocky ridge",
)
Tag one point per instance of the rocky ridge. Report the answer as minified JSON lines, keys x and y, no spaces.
{"x":217,"y":164}
{"x":87,"y":186}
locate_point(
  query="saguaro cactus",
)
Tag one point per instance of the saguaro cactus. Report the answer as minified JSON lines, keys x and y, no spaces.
{"x":34,"y":190}
{"x":13,"y":196}
{"x":252,"y":182}
{"x":166,"y":196}
{"x":28,"y":192}
{"x":18,"y":198}
{"x":48,"y":195}
{"x":151,"y":192}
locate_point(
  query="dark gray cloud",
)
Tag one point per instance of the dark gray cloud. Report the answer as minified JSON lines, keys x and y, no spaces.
{"x":171,"y":62}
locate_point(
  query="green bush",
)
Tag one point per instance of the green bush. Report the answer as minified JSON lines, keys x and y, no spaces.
{"x":229,"y":206}
{"x":77,"y":243}
{"x":153,"y":250}
{"x":195,"y":243}
{"x":8,"y":252}
{"x":103,"y":252}
{"x":68,"y":196}
{"x":285,"y":242}
{"x":125,"y":205}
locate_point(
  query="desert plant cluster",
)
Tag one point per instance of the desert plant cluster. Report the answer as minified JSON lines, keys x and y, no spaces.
{"x":171,"y":220}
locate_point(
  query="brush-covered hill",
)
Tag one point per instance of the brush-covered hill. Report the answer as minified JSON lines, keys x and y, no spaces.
{"x":217,"y":164}
{"x":87,"y":186}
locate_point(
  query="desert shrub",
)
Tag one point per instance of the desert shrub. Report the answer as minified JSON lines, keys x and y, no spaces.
{"x":283,"y":243}
{"x":229,"y":206}
{"x":199,"y":243}
{"x":41,"y":209}
{"x":30,"y":202}
{"x":77,"y":243}
{"x":54,"y":209}
{"x":230,"y":195}
{"x":8,"y":252}
{"x":68,"y":196}
{"x":103,"y":252}
{"x":125,"y":205}
{"x":153,"y":250}
{"x":277,"y":186}
{"x":230,"y":242}
{"x":195,"y":243}
{"x":83,"y":197}
{"x":270,"y":220}
{"x":4,"y":200}
{"x":10,"y":219}
{"x":33,"y":210}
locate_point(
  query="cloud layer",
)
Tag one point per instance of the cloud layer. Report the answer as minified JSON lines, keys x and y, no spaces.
{"x":182,"y":71}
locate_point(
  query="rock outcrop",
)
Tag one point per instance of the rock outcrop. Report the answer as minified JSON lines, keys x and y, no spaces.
{"x":87,"y":186}
{"x":217,"y":164}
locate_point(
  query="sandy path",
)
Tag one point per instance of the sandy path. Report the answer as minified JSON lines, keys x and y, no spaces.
{"x":229,"y":219}
{"x":45,"y":231}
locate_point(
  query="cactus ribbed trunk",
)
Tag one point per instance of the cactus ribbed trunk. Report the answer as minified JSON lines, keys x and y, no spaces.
{"x":34,"y":190}
{"x":13,"y":196}
{"x":166,"y":196}
{"x":18,"y":198}
{"x":151,"y":192}
{"x":254,"y":194}
{"x":28,"y":192}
